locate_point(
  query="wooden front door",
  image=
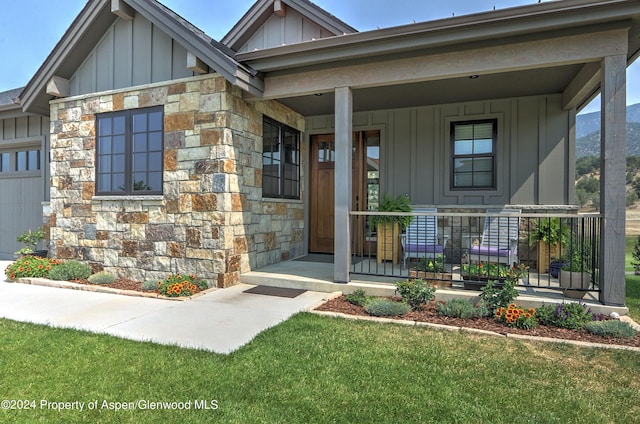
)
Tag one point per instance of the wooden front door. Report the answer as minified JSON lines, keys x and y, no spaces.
{"x":322,"y":183}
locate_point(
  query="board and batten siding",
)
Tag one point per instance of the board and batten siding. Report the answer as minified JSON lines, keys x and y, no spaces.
{"x":534,"y":156}
{"x":131,"y":53}
{"x":22,"y":193}
{"x":290,"y":29}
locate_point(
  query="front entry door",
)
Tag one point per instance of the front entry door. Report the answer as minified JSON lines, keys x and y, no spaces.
{"x":322,"y":183}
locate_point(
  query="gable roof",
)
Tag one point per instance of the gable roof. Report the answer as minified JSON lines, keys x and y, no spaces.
{"x":94,"y":20}
{"x":260,"y":12}
{"x":9,"y":99}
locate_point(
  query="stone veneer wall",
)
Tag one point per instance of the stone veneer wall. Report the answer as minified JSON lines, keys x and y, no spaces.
{"x":211,"y":219}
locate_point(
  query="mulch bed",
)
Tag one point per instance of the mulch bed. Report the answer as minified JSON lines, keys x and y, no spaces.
{"x":120,"y":284}
{"x":429,"y":314}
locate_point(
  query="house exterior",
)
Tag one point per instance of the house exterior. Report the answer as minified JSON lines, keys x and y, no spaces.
{"x":173,"y":152}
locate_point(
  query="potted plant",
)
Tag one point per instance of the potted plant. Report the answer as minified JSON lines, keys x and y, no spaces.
{"x":31,"y":238}
{"x":549,"y":235}
{"x":390,"y":227}
{"x":432,"y":271}
{"x":476,"y":275}
{"x":575,"y":275}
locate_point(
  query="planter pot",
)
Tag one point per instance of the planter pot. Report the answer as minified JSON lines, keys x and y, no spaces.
{"x":575,"y":283}
{"x":545,"y":252}
{"x":40,"y":253}
{"x":389,"y":242}
{"x":436,"y":279}
{"x":477,"y":282}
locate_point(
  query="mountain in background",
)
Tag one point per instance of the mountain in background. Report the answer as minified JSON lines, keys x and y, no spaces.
{"x":588,"y":133}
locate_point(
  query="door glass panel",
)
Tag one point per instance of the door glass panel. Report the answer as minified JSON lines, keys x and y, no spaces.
{"x":326,"y":152}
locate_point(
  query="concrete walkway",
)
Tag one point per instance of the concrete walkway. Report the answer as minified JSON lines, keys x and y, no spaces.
{"x":220,"y":321}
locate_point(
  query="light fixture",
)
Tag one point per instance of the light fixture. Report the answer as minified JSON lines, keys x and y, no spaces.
{"x":474,"y":76}
{"x":319,"y":94}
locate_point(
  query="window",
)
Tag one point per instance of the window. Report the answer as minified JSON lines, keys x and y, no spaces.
{"x":280,"y":161}
{"x":474,"y":155}
{"x":129,"y":152}
{"x":20,"y":161}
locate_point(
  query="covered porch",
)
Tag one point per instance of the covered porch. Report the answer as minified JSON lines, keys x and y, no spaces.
{"x":527,"y":71}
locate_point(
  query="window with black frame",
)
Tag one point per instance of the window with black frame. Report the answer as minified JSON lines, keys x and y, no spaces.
{"x":280,"y":161}
{"x":129,"y":152}
{"x":473,"y":147}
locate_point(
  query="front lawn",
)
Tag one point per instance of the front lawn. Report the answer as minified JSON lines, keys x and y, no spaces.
{"x":318,"y":369}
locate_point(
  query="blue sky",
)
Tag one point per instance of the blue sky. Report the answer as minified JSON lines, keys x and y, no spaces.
{"x":29,"y":29}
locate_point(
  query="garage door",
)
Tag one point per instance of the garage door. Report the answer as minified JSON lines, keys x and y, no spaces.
{"x":21,"y":196}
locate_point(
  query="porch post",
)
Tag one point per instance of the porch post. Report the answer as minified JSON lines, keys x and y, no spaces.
{"x":612,"y":179}
{"x":342,"y":190}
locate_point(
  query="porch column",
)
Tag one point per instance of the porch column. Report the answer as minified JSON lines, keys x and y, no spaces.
{"x":612,"y":179}
{"x":342,"y":191}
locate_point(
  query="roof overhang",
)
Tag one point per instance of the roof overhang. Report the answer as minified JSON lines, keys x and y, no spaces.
{"x":95,"y":19}
{"x":565,"y":39}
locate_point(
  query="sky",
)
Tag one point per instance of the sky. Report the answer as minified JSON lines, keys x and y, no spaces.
{"x":30,"y":29}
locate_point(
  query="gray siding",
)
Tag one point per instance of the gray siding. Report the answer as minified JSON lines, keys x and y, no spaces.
{"x":291,"y":29}
{"x":130,"y":53}
{"x":533,"y":154}
{"x":22,"y":193}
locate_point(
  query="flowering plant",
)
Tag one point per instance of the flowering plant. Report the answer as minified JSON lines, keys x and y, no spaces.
{"x":431,"y":264}
{"x":518,"y":317}
{"x":181,"y":285}
{"x":482,"y":269}
{"x":31,"y":267}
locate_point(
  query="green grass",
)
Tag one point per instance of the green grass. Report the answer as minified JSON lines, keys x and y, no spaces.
{"x":633,"y":296}
{"x":317,"y":369}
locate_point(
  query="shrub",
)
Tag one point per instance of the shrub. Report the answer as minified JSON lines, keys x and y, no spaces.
{"x":564,"y":315}
{"x":382,"y":307}
{"x":358,"y":297}
{"x":30,"y":267}
{"x":461,"y":308}
{"x":102,"y":277}
{"x":611,"y":328}
{"x":514,"y":316}
{"x":150,"y":285}
{"x":415,"y":292}
{"x":181,"y":285}
{"x":495,"y":297}
{"x":70,"y":270}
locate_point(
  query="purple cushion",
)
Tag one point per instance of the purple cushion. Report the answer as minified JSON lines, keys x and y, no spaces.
{"x":423,"y":248}
{"x":489,"y":251}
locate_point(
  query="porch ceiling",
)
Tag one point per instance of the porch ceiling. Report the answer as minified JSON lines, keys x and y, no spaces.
{"x":501,"y":85}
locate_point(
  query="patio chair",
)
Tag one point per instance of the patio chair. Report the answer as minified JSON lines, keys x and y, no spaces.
{"x":499,"y":242}
{"x":420,"y":239}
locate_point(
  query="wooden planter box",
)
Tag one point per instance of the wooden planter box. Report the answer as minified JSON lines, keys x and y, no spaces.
{"x":545,"y":253}
{"x":437,"y":279}
{"x":389,"y":247}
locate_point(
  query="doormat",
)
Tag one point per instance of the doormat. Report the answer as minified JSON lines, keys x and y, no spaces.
{"x":317,"y":257}
{"x":326,"y":258}
{"x":275,"y":291}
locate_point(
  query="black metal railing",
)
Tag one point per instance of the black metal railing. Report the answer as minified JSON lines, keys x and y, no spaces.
{"x":557,"y":251}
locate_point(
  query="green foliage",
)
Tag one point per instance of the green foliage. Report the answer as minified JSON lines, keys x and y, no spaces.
{"x":589,"y":184}
{"x":358,"y":297}
{"x":415,"y":292}
{"x":70,"y":270}
{"x":150,"y":285}
{"x":587,"y":165}
{"x":496,"y":297}
{"x":382,"y":307}
{"x":490,"y":270}
{"x":177,"y":285}
{"x":611,"y":328}
{"x":431,"y":264}
{"x":631,"y":198}
{"x":30,"y":238}
{"x":31,"y":267}
{"x":564,"y":315}
{"x":550,"y":231}
{"x":577,"y":258}
{"x":102,"y":277}
{"x":462,"y":308}
{"x":636,"y":255}
{"x":390,"y":204}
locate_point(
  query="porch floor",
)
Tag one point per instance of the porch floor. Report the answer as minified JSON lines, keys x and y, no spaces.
{"x":318,"y":276}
